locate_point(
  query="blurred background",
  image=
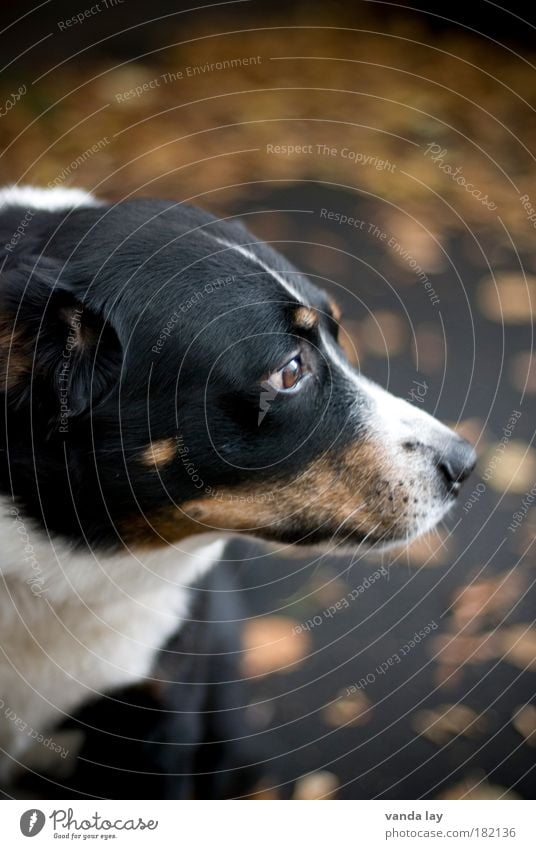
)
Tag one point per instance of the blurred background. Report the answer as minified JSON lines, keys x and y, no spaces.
{"x":388,"y":151}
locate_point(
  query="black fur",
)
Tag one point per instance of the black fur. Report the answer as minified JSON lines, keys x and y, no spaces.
{"x":187,"y":738}
{"x":129,"y":270}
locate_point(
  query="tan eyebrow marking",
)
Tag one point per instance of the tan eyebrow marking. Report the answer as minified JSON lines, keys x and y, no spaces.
{"x":158,"y":453}
{"x":335,"y":309}
{"x":305,"y":318}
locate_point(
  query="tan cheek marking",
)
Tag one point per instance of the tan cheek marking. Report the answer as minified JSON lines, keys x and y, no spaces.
{"x":15,"y":359}
{"x":305,"y":318}
{"x":158,"y":453}
{"x":353,"y":488}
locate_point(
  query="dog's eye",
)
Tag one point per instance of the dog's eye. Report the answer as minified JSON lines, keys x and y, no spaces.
{"x":289,"y":376}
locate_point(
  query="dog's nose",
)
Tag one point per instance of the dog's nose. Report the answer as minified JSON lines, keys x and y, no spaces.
{"x":456,"y":460}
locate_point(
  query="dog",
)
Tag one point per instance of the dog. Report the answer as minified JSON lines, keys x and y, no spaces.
{"x":169,"y":382}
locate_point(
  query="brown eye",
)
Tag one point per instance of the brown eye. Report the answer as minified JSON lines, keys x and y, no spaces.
{"x":287,"y":377}
{"x":291,"y":373}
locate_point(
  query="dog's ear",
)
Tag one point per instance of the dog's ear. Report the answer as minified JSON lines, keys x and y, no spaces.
{"x":54,"y":348}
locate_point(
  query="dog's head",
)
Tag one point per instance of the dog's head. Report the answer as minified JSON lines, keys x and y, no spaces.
{"x":166,"y":374}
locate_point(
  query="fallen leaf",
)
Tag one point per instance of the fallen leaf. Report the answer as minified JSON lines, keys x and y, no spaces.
{"x":264,"y":791}
{"x":429,"y":348}
{"x":454,"y":650}
{"x":447,"y":721}
{"x":510,"y":466}
{"x":510,"y":298}
{"x":423,"y":246}
{"x":383,"y":334}
{"x":524,"y":537}
{"x":470,"y":429}
{"x":353,"y":709}
{"x":447,"y":677}
{"x":486,"y":601}
{"x":518,"y":643}
{"x":427,"y":550}
{"x":327,"y":590}
{"x":273,"y":644}
{"x":524,"y":722}
{"x":523,"y":372}
{"x":316,"y":785}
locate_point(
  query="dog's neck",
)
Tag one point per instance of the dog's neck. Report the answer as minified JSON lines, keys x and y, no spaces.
{"x":76,"y":624}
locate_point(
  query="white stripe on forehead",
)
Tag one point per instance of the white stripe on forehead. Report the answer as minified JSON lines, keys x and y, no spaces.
{"x":243,"y":251}
{"x":339,"y":360}
{"x":390,"y":416}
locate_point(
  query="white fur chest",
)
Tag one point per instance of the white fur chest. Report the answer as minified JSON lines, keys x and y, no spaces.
{"x":75,"y":625}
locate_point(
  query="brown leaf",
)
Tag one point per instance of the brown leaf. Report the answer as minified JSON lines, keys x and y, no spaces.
{"x":423,"y":246}
{"x":524,"y":722}
{"x":272,"y":645}
{"x":510,"y":298}
{"x":384,"y":334}
{"x":326,"y":590}
{"x":428,"y":349}
{"x":353,"y":709}
{"x":316,"y":785}
{"x":512,"y":467}
{"x":264,"y":791}
{"x":471,"y":429}
{"x":447,"y":721}
{"x":523,"y":372}
{"x":456,"y":650}
{"x":519,"y":645}
{"x":486,"y":601}
{"x":447,"y":677}
{"x":429,"y":550}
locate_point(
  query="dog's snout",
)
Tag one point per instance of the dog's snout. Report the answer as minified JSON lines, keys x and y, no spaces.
{"x":456,"y":460}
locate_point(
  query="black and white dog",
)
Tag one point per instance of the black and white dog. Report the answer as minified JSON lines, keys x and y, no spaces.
{"x":168,"y":381}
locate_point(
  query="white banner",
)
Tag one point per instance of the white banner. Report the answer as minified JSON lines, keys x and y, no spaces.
{"x":243,"y":825}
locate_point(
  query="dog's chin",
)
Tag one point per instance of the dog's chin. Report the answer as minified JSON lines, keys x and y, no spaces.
{"x":337,"y":541}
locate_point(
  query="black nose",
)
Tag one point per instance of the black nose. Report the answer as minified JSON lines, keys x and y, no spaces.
{"x":456,"y":461}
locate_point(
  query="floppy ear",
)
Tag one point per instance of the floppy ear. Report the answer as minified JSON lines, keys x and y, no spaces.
{"x":53,"y":346}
